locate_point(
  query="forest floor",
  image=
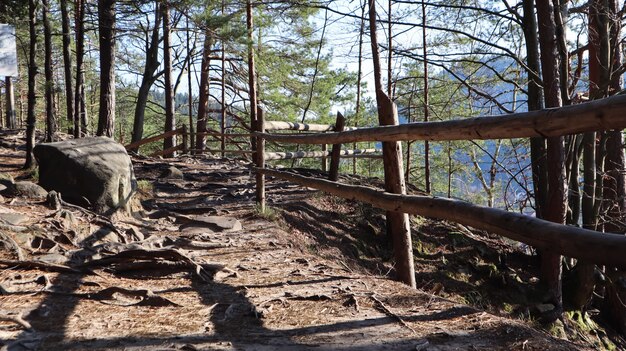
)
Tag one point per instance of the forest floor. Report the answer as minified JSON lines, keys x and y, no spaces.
{"x":202,"y":269}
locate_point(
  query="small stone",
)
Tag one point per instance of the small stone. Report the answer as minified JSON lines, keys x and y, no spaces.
{"x":53,"y":258}
{"x":172,"y":173}
{"x":30,"y":190}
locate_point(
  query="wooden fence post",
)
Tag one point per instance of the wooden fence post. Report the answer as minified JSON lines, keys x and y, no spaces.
{"x":260,"y":160}
{"x":185,"y":144}
{"x":334,"y":156}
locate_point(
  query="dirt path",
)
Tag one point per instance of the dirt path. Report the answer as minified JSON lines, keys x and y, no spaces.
{"x":122,"y":285}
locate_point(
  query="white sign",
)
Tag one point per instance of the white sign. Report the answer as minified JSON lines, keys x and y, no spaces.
{"x":8,"y":52}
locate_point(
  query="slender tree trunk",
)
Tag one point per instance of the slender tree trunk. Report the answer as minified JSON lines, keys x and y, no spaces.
{"x":170,"y":119}
{"x":80,"y":111}
{"x":11,"y":123}
{"x":389,"y":53}
{"x":358,"y":79}
{"x":615,"y":169}
{"x":557,"y":185}
{"x":223,"y":97}
{"x":148,"y":77}
{"x":106,"y":30}
{"x":535,"y":102}
{"x":51,"y":125}
{"x":397,"y":223}
{"x":252,"y":83}
{"x":203,"y":94}
{"x":32,"y":74}
{"x":189,"y":91}
{"x":427,"y":187}
{"x":67,"y":62}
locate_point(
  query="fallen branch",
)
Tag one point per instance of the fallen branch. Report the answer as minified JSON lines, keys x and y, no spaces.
{"x":42,"y":265}
{"x":390,"y":313}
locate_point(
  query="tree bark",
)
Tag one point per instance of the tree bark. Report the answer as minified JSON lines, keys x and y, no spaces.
{"x":203,"y":98}
{"x":80,"y":111}
{"x":535,"y":102}
{"x":170,"y":121}
{"x":397,"y":223}
{"x":252,"y":84}
{"x":556,"y":209}
{"x":51,"y":125}
{"x":11,"y":123}
{"x":32,"y":74}
{"x":427,"y":186}
{"x":359,"y":77}
{"x":148,"y":77}
{"x":67,"y":62}
{"x":106,"y":30}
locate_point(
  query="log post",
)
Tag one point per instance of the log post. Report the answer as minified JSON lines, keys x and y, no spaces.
{"x":334,"y":156}
{"x":260,"y":160}
{"x":185,"y":136}
{"x":324,"y":159}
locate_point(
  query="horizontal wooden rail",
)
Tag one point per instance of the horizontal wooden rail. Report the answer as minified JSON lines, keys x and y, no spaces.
{"x":168,"y":151}
{"x":227,"y":135}
{"x":220,"y":151}
{"x":597,"y":115}
{"x":279,"y":125}
{"x":317,"y":154}
{"x":154,"y":138}
{"x":579,"y":243}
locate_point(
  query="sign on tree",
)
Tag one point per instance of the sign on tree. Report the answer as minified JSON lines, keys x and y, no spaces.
{"x":8,"y":53}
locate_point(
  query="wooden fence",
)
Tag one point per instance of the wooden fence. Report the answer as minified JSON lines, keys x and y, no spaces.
{"x":588,"y":245}
{"x":185,"y":147}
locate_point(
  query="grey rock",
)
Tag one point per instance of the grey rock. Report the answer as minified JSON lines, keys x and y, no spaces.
{"x":53,"y":258}
{"x":13,"y":218}
{"x":214,"y":223}
{"x":172,"y":173}
{"x":92,"y":171}
{"x":53,"y":200}
{"x":30,"y":190}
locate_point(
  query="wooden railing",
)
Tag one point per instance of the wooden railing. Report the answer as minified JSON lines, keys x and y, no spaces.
{"x":588,"y":245}
{"x":185,"y":147}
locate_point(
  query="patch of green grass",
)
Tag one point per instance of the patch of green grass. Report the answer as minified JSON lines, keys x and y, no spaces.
{"x":266,"y":213}
{"x":33,"y":174}
{"x":145,"y":186}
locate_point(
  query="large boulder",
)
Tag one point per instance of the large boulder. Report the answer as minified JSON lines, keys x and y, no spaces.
{"x":93,"y":171}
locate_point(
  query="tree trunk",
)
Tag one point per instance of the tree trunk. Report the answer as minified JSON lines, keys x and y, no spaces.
{"x":359,"y":77}
{"x":51,"y":125}
{"x":32,"y":74}
{"x":556,"y":209}
{"x":189,"y":88}
{"x":170,"y":121}
{"x":106,"y":30}
{"x":615,"y":183}
{"x":148,"y":77}
{"x":252,"y":83}
{"x":80,"y":112}
{"x":11,"y":123}
{"x":203,"y":98}
{"x":397,"y":223}
{"x":67,"y":62}
{"x":426,"y":109}
{"x":535,"y":102}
